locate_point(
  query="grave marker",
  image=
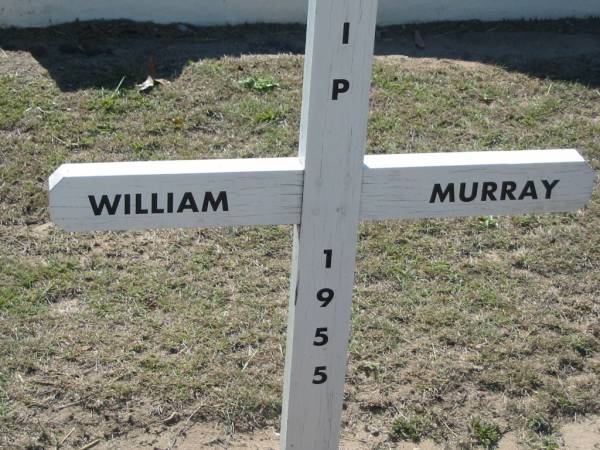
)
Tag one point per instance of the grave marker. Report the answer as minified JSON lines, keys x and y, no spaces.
{"x":324,"y":192}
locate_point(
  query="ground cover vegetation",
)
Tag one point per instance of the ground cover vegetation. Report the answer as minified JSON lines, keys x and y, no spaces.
{"x":462,"y":329}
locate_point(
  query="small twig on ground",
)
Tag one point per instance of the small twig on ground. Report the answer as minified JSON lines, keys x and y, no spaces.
{"x":3,"y":52}
{"x":73,"y":403}
{"x":353,"y":439}
{"x":90,"y":445}
{"x":194,"y":413}
{"x":172,"y":419}
{"x":116,"y":91}
{"x":68,"y":144}
{"x":448,"y":427}
{"x":185,"y":426}
{"x":44,"y":382}
{"x":63,"y":440}
{"x":249,"y":359}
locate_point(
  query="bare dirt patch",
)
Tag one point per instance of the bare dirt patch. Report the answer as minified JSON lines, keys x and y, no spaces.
{"x":582,"y":435}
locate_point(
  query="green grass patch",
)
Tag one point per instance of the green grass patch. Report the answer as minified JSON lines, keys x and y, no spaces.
{"x":485,"y":432}
{"x":258,"y":84}
{"x":413,"y":428}
{"x":12,"y":103}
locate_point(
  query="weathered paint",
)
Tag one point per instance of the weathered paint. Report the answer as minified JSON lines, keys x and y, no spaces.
{"x":167,"y":194}
{"x":333,"y":133}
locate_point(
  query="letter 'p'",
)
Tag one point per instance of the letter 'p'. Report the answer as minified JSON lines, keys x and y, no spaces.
{"x":339,"y":87}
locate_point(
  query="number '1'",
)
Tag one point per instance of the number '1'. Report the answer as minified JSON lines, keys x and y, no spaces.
{"x":346,"y":37}
{"x":328,"y":255}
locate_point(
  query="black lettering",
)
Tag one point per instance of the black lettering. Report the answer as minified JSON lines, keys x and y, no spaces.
{"x":321,"y":337}
{"x":529,"y":191}
{"x":549,"y":187}
{"x":138,"y":205}
{"x":340,"y":86}
{"x":508,"y":187}
{"x":487,"y":191}
{"x":346,"y":37}
{"x":155,"y":209}
{"x":221,"y":199}
{"x":104,"y":203}
{"x":437,"y":192}
{"x":127,"y":205}
{"x":325,"y":296}
{"x":187,"y":202}
{"x":170,"y":202}
{"x":463,"y":196}
{"x":328,"y":256}
{"x":320,"y":376}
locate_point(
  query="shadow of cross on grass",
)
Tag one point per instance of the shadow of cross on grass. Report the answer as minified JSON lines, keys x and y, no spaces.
{"x":99,"y":54}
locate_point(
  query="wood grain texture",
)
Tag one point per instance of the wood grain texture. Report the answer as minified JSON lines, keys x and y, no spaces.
{"x":401,"y":186}
{"x":269,"y":191}
{"x":258,"y":191}
{"x":332,"y":141}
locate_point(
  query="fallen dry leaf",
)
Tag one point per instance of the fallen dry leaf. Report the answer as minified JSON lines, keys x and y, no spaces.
{"x":146,"y":85}
{"x":150,"y":83}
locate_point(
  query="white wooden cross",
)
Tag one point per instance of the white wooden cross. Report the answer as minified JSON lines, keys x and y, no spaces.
{"x":324,"y":193}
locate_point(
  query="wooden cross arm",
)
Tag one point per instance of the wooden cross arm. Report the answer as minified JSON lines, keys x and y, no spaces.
{"x":167,"y":194}
{"x":475,"y":184}
{"x":174,"y":194}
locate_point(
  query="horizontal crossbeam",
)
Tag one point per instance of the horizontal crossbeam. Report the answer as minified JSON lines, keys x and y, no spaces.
{"x":173,"y":194}
{"x":168,"y":194}
{"x":474,"y":183}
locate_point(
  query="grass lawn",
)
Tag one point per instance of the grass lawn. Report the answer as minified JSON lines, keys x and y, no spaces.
{"x":462,"y":330}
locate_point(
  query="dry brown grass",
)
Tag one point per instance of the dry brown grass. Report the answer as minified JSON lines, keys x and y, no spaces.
{"x":460,"y":327}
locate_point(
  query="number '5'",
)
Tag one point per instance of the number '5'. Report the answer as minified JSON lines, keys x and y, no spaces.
{"x":321,"y":337}
{"x":320,"y":376}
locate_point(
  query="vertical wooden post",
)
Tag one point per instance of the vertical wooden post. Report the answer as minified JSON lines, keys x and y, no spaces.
{"x":337,"y":76}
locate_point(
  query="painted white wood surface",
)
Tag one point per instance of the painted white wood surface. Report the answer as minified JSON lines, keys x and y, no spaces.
{"x":258,"y":191}
{"x":269,"y":191}
{"x":401,"y":186}
{"x":337,"y":77}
